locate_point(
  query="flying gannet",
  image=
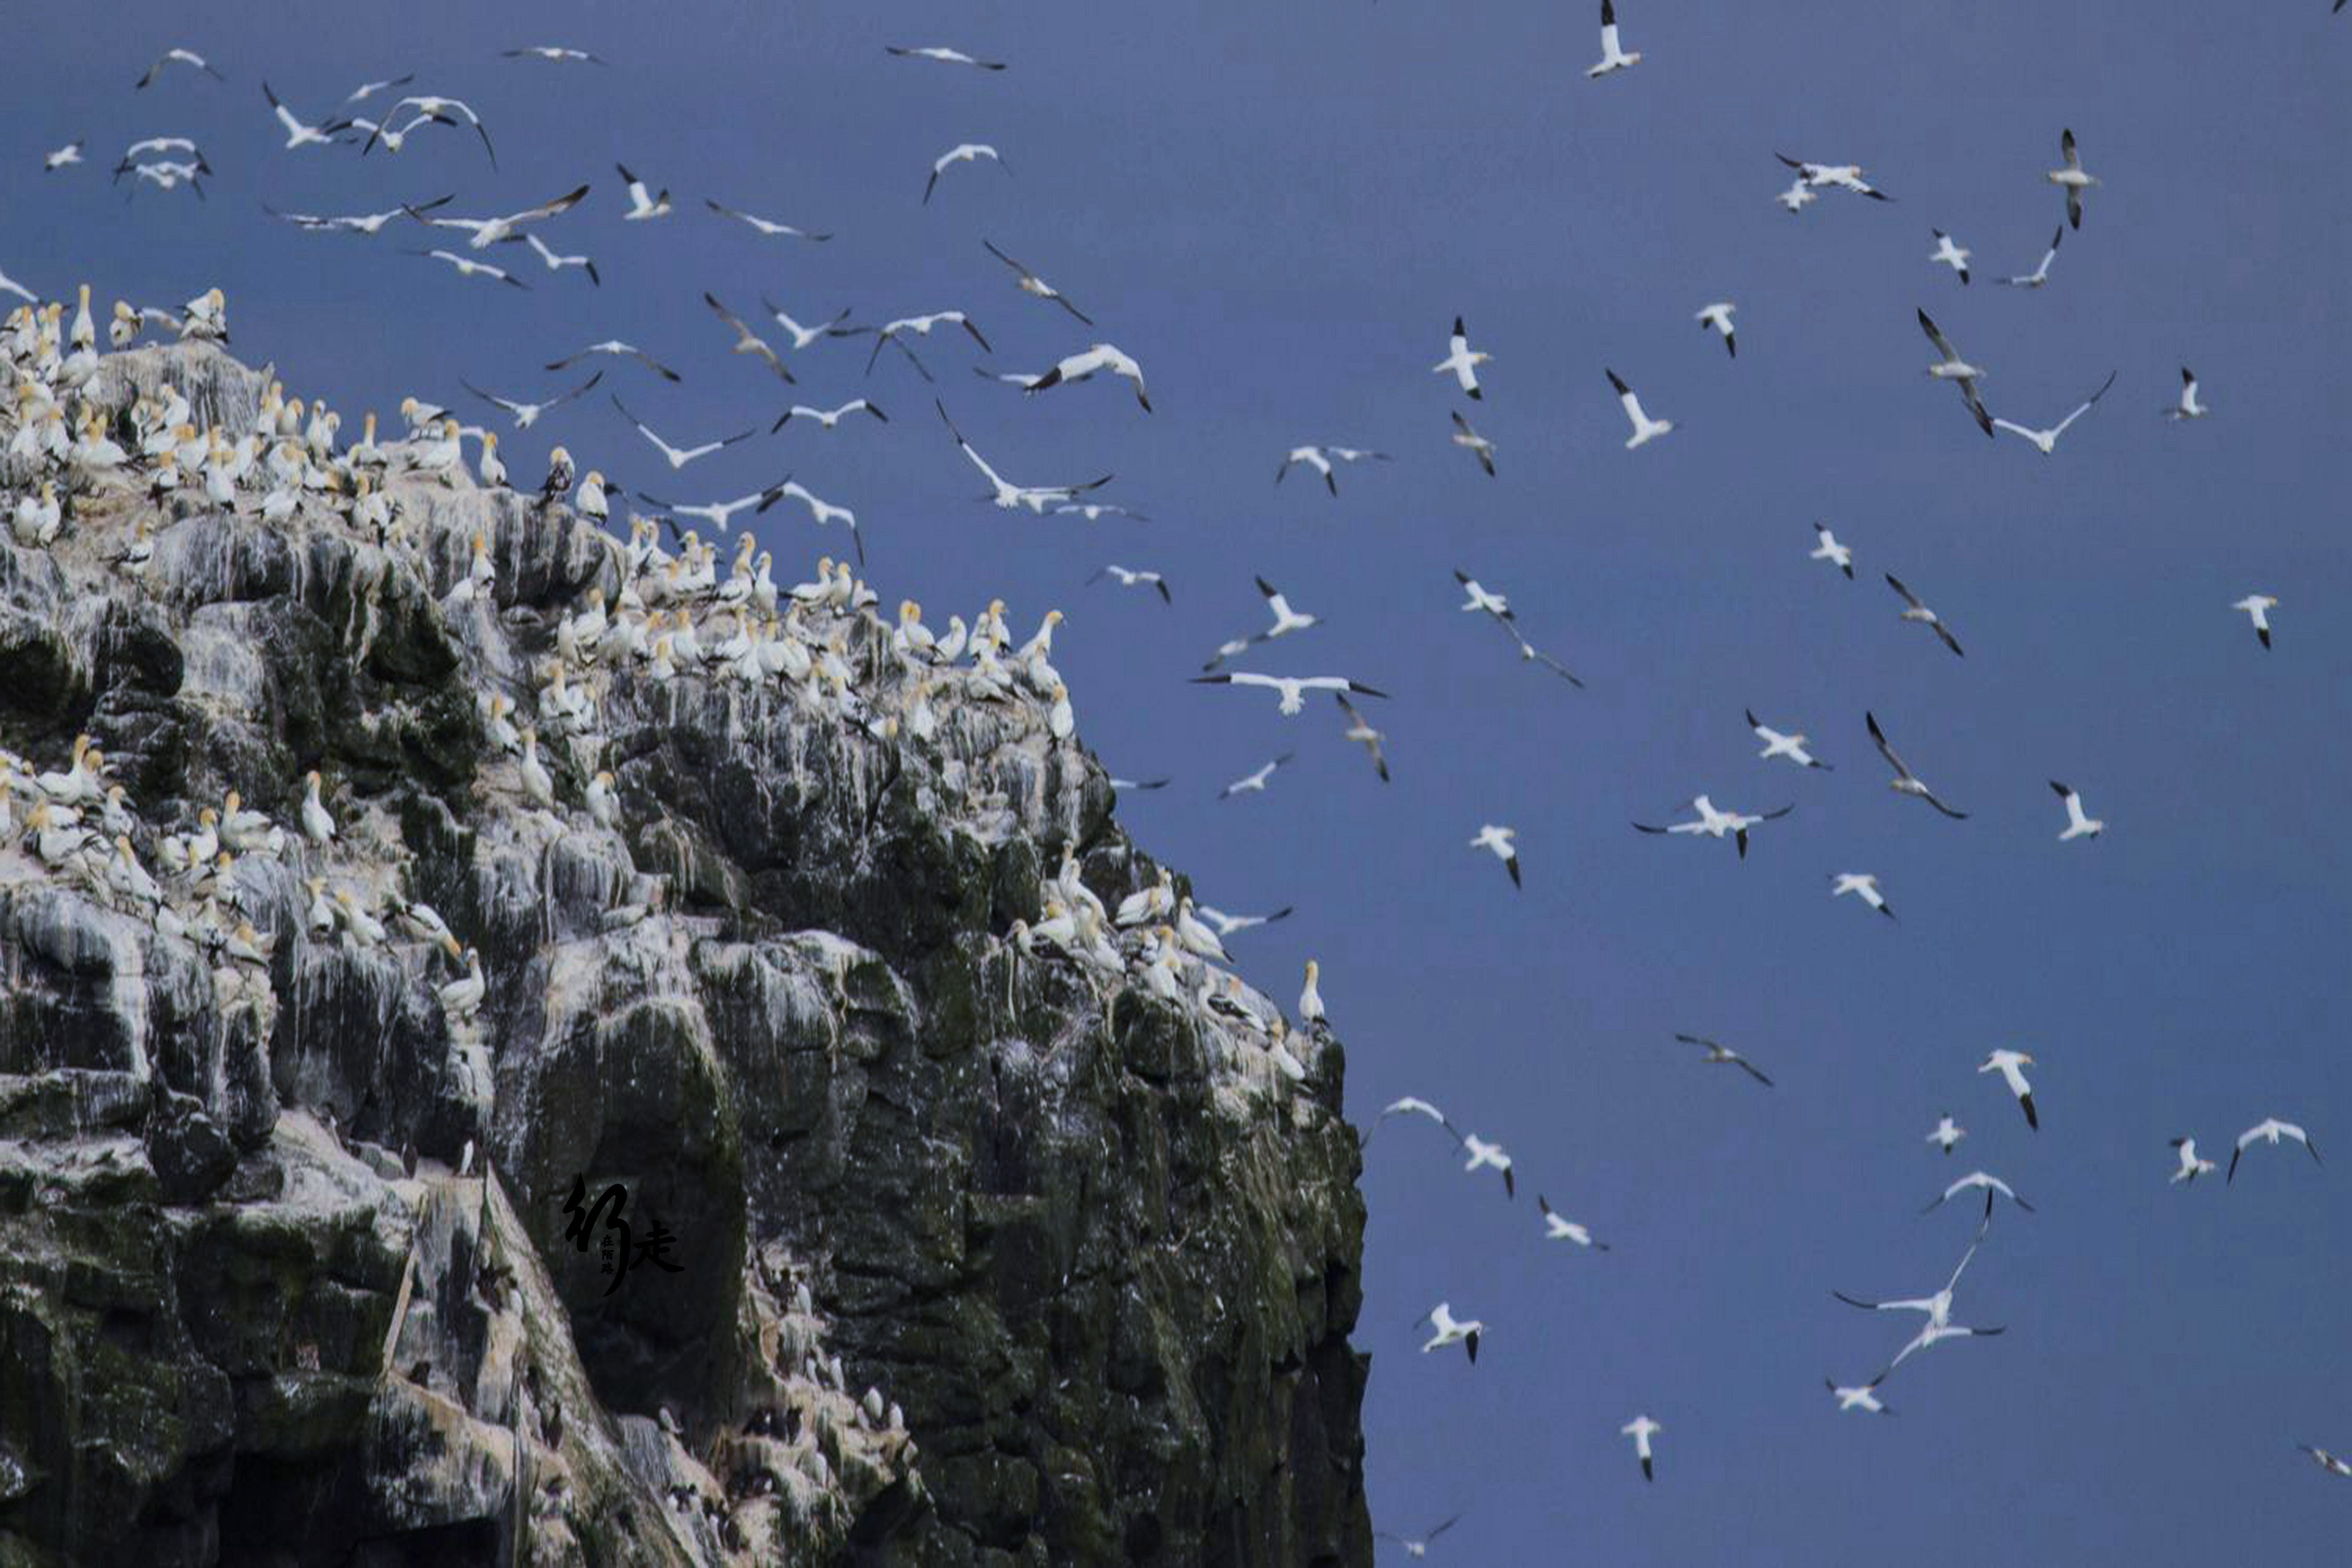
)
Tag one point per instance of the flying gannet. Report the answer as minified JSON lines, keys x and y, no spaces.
{"x":962,"y":152}
{"x":2269,"y":1130}
{"x":1460,"y":360}
{"x":2191,"y":1166}
{"x":1862,"y":885}
{"x":1828,"y":549}
{"x":1905,"y":781}
{"x":1292,"y":689}
{"x":1613,"y":57}
{"x":1363,"y":734}
{"x":767,"y":227}
{"x":944,"y":56}
{"x":1723,"y":1056}
{"x":2072,"y":178}
{"x":1717,"y":317}
{"x":1642,"y":1430}
{"x":2078,"y":826}
{"x":1950,"y":254}
{"x":2257,"y":606}
{"x":1254,"y":784}
{"x":1315,"y":458}
{"x":1479,"y":447}
{"x":1451,"y":1332}
{"x":1009,"y":495}
{"x":615,"y":347}
{"x":644,"y":207}
{"x":1717,"y":823}
{"x":2046,"y":441}
{"x":1499,"y":841}
{"x":1029,"y":283}
{"x":1417,"y":1546}
{"x":678,"y":457}
{"x":1286,"y":621}
{"x":2009,"y":1065}
{"x":1130,"y":579}
{"x":1955,"y":369}
{"x":1779,"y":744}
{"x":2040,"y":275}
{"x":526,"y":415}
{"x":1841,"y":177}
{"x":1557,"y":1227}
{"x":1645,"y":429}
{"x":1947,"y":1132}
{"x":485,"y":232}
{"x":177,"y":58}
{"x":1975,"y":1182}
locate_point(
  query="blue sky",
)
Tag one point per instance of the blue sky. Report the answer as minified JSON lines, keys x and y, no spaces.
{"x":1279,"y":211}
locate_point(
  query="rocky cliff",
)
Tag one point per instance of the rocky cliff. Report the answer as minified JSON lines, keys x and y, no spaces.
{"x":943,"y":1245}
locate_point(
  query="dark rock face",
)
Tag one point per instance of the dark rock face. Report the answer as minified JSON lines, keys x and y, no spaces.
{"x":1099,"y":1248}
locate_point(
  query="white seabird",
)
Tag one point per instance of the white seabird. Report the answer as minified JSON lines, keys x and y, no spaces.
{"x":620,"y":350}
{"x":1642,"y":1430}
{"x":298,"y":134}
{"x":1286,"y":621}
{"x":1363,"y":734}
{"x":485,"y":232}
{"x":1975,"y":1182}
{"x":176,"y":57}
{"x":1315,"y":458}
{"x":769,"y":227}
{"x":678,"y":457}
{"x":1955,"y":369}
{"x":1029,"y":283}
{"x":2188,"y":407}
{"x":1862,"y":885}
{"x":1827,"y":548}
{"x":1252,"y":783}
{"x":1717,"y":317}
{"x":1717,"y":823}
{"x":1417,"y":1546}
{"x":1130,"y":579}
{"x":962,"y":152}
{"x":2008,"y":1064}
{"x":1499,"y":841}
{"x":644,"y":207}
{"x":526,"y":415}
{"x":2259,"y":607}
{"x":1779,"y":744}
{"x":1614,"y":57}
{"x":1947,"y":1132}
{"x":1952,"y":255}
{"x":1723,"y":1056}
{"x":1461,"y":359}
{"x":1905,"y":781}
{"x":1450,"y":1333}
{"x":1292,"y":689}
{"x":2046,"y":441}
{"x":1480,"y":448}
{"x":1007,"y":494}
{"x":1841,"y":176}
{"x":2269,"y":1130}
{"x":1645,"y":429}
{"x":2040,"y":275}
{"x":1490,"y":1156}
{"x":2078,"y":826}
{"x":1865,"y":1397}
{"x":2072,"y":178}
{"x":1558,"y":1228}
{"x":2191,"y":1166}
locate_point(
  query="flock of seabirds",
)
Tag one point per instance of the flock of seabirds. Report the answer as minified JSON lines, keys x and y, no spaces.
{"x":680,"y":615}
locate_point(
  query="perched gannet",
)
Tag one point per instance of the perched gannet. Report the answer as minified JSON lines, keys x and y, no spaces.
{"x":1292,"y":689}
{"x":1612,"y":57}
{"x":1723,"y":1056}
{"x":1450,"y":1333}
{"x":1254,"y":783}
{"x":462,"y":998}
{"x":180,"y":57}
{"x":1862,"y":885}
{"x":1499,"y":841}
{"x":2071,"y":179}
{"x":613,"y":346}
{"x":1029,"y":283}
{"x":1865,"y":1397}
{"x":1717,"y":316}
{"x":2078,"y":826}
{"x":1717,"y":823}
{"x":468,"y":267}
{"x":2191,"y":1167}
{"x":1843,"y":176}
{"x":1363,"y":734}
{"x":486,"y":232}
{"x":1459,"y":359}
{"x":298,"y":134}
{"x":1828,"y":549}
{"x":2008,"y":1064}
{"x":1310,"y":996}
{"x":1905,"y":781}
{"x":1976,"y":1182}
{"x":1319,"y":460}
{"x":828,"y":418}
{"x":1007,"y":494}
{"x":2046,"y":441}
{"x":1922,"y":614}
{"x":555,"y":263}
{"x":1950,"y":254}
{"x":2188,"y":407}
{"x":317,"y":826}
{"x":1642,"y":1430}
{"x":1479,"y":447}
{"x":1416,"y":1545}
{"x":1645,"y":429}
{"x":643,"y":204}
{"x":537,"y":782}
{"x":944,"y":54}
{"x":1129,"y":579}
{"x":603,"y":805}
{"x":38,"y":517}
{"x":1953,"y":368}
{"x":2259,"y":607}
{"x":555,"y":54}
{"x":1149,"y":906}
{"x":2270,"y":1130}
{"x":1779,"y":744}
{"x":64,"y":157}
{"x":2040,"y":275}
{"x":678,"y":457}
{"x":1286,"y":621}
{"x":962,"y":152}
{"x":767,"y":227}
